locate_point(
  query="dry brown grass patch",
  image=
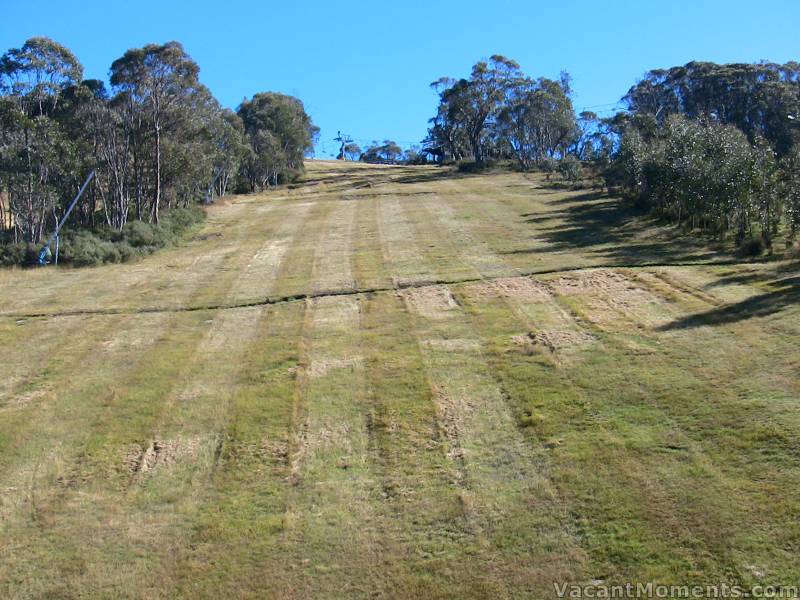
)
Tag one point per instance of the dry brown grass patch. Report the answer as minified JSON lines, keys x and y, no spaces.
{"x":554,"y":340}
{"x":523,"y":288}
{"x":453,"y":345}
{"x":433,"y":302}
{"x":335,"y":311}
{"x":161,"y":453}
{"x":321,"y":367}
{"x":610,"y":295}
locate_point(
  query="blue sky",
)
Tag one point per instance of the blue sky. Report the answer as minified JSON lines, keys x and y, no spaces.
{"x":364,"y":67}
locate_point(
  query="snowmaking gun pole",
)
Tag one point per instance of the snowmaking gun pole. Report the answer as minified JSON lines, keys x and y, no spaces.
{"x":46,"y":248}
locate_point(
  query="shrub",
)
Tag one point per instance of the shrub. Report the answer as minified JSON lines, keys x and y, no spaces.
{"x":548,"y":166}
{"x":84,"y":248}
{"x":139,"y":234}
{"x":18,"y":254}
{"x":95,"y":247}
{"x":179,"y":219}
{"x":569,"y":168}
{"x":752,"y":247}
{"x":470,"y":166}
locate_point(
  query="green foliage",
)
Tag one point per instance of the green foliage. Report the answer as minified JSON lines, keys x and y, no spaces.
{"x":85,"y":248}
{"x":280,"y":133}
{"x":137,"y":238}
{"x":501,"y":113}
{"x":790,"y":181}
{"x":386,"y":153}
{"x":89,"y":247}
{"x":752,"y":247}
{"x":756,"y":98}
{"x":157,"y":140}
{"x":569,"y":168}
{"x":470,"y":166}
{"x":714,"y":147}
{"x":352,"y":151}
{"x":703,"y":174}
{"x":538,"y":121}
{"x":18,"y":254}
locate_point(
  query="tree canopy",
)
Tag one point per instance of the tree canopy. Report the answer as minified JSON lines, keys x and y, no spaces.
{"x":280,"y":134}
{"x":157,"y":139}
{"x":713,"y":147}
{"x":499,"y":112}
{"x":756,"y":98}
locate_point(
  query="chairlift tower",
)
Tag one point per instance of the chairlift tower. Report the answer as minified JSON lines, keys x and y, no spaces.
{"x":343,"y":139}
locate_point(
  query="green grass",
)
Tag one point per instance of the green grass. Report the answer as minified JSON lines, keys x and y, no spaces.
{"x":544,"y":388}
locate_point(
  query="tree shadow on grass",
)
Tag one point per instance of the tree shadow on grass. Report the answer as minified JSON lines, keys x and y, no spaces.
{"x":366,"y":176}
{"x":782,"y":294}
{"x":431,"y":175}
{"x":760,"y":275}
{"x":619,"y":233}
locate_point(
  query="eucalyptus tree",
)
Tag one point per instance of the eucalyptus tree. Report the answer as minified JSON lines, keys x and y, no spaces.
{"x":352,"y":151}
{"x":704,"y":175}
{"x":280,"y":133}
{"x":468,"y":106}
{"x":538,"y":120}
{"x":156,"y":78}
{"x":756,"y":98}
{"x":386,"y":152}
{"x":37,"y":74}
{"x":446,"y":136}
{"x":790,"y":182}
{"x":230,"y":148}
{"x":33,"y":147}
{"x":500,"y":112}
{"x":158,"y":139}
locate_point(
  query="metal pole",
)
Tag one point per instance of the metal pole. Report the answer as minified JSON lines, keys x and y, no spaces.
{"x":71,"y":206}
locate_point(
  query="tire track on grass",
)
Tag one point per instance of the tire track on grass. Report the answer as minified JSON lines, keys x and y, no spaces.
{"x":75,"y":401}
{"x":501,"y":481}
{"x":422,"y":510}
{"x":331,"y":533}
{"x":162,"y":452}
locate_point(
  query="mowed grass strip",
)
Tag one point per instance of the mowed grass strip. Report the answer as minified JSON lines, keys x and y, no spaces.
{"x":69,"y":454}
{"x":159,"y":279}
{"x":463,"y":233}
{"x":634,"y":445}
{"x":331,"y":533}
{"x":113,"y":442}
{"x":298,"y":273}
{"x":235,"y":545}
{"x":401,"y":249}
{"x":173,"y":471}
{"x":332,"y":538}
{"x":369,"y":258}
{"x":435,"y":243}
{"x":424,"y":529}
{"x":334,"y":253}
{"x":525,"y":535}
{"x":432,"y":540}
